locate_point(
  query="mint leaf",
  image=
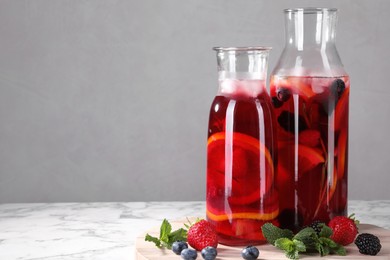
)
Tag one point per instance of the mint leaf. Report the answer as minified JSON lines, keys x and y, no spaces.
{"x":285,"y":244}
{"x":325,"y":250}
{"x":167,"y":237}
{"x":290,"y":247}
{"x":308,"y":237}
{"x":326,"y":231}
{"x":333,"y":246}
{"x":328,"y":242}
{"x":155,"y":240}
{"x":292,"y":255}
{"x":273,"y":233}
{"x":165,"y":230}
{"x":340,"y":250}
{"x":320,"y":248}
{"x":178,"y":235}
{"x":299,"y":245}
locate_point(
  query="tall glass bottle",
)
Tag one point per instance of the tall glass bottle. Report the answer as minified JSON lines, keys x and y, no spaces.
{"x":310,"y":93}
{"x":241,"y":148}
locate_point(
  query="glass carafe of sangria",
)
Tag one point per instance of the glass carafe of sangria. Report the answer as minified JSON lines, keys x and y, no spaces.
{"x":241,"y":148}
{"x":310,"y":93}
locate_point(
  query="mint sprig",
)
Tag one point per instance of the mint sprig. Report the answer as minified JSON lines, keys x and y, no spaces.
{"x":167,"y":236}
{"x":305,"y":241}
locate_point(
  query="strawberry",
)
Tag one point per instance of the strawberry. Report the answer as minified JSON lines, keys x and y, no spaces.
{"x":344,"y":229}
{"x":202,"y":234}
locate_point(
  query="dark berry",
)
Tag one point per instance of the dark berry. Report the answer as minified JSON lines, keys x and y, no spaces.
{"x":283,"y":94}
{"x":209,"y":253}
{"x":276,"y":103}
{"x":189,"y":254}
{"x":287,"y":121}
{"x":250,"y":253}
{"x":290,"y":219}
{"x":317,"y":226}
{"x":338,"y":87}
{"x":178,"y":246}
{"x":368,"y":244}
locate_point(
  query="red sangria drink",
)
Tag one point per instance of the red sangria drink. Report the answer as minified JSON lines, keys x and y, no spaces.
{"x":312,"y":127}
{"x":310,"y":94}
{"x":241,"y":149}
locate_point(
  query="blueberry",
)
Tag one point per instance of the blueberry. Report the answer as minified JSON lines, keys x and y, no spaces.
{"x":250,"y":253}
{"x":276,"y":102}
{"x":283,"y":94}
{"x":209,"y":253}
{"x":338,"y":87}
{"x":178,"y":246}
{"x":189,"y":254}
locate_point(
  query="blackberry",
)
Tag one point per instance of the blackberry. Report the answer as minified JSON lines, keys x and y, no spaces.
{"x":317,"y":226}
{"x":283,"y":94}
{"x":368,"y":244}
{"x":250,"y":253}
{"x":338,"y":87}
{"x":276,"y":102}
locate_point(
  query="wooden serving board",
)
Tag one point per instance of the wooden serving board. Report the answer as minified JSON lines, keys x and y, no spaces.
{"x":148,"y":251}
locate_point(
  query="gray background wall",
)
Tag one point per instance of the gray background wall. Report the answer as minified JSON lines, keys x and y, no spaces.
{"x":108,"y":100}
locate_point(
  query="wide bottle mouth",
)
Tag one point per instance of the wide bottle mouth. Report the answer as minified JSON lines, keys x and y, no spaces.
{"x":242,"y":49}
{"x":310,"y":10}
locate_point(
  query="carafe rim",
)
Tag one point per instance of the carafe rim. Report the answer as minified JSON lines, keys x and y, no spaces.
{"x":310,"y":10}
{"x":243,"y":49}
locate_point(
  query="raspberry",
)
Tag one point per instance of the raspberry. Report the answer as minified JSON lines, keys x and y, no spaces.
{"x":368,"y":244}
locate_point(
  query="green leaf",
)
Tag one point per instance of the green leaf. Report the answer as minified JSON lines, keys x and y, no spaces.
{"x":326,"y":231}
{"x":273,"y":233}
{"x":167,"y":237}
{"x":292,"y":255}
{"x":155,"y":240}
{"x":299,"y":245}
{"x":165,"y":230}
{"x":306,"y":232}
{"x":285,"y":244}
{"x":326,"y":251}
{"x":340,"y":250}
{"x":308,"y":236}
{"x":320,"y":248}
{"x":328,"y":242}
{"x":178,"y":235}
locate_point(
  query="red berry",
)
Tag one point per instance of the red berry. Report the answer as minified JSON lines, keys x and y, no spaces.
{"x":201,"y":235}
{"x":344,"y":230}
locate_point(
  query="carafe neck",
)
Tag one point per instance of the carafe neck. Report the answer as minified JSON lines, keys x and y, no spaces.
{"x":310,"y":28}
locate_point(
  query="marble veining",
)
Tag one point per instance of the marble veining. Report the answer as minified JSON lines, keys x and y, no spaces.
{"x":108,"y":230}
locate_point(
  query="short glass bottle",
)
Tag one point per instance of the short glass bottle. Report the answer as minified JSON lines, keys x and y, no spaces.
{"x":241,"y":148}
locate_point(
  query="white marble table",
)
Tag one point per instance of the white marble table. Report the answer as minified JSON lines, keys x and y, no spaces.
{"x":107,"y":231}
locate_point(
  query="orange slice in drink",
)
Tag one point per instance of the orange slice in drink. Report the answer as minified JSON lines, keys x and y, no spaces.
{"x":265,"y":210}
{"x":307,"y":158}
{"x":341,"y":111}
{"x":342,"y":144}
{"x":242,"y":164}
